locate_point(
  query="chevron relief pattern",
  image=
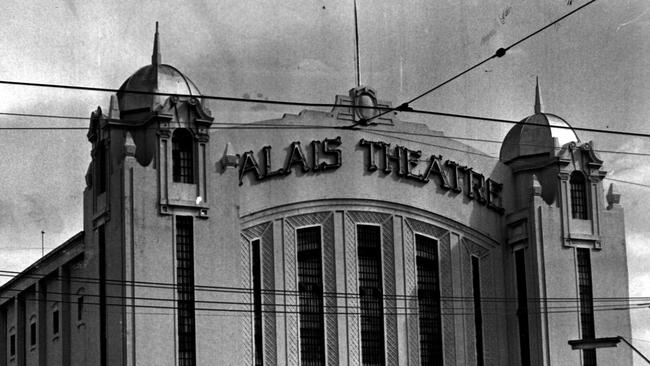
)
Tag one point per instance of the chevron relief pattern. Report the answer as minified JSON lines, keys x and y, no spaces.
{"x":446,"y":291}
{"x":473,"y":248}
{"x":291,"y":289}
{"x":490,"y":308}
{"x":468,"y":303}
{"x":390,"y":304}
{"x":425,"y":228}
{"x":446,"y":287}
{"x":330,"y":289}
{"x":255,"y":232}
{"x":390,"y":316}
{"x":247,"y":300}
{"x":360,"y":217}
{"x":412,"y":321}
{"x":352,"y":292}
{"x":326,"y":220}
{"x":268,"y":265}
{"x":264,"y":232}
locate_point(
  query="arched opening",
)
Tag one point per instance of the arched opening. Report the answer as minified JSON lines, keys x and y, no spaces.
{"x":579,"y":206}
{"x":182,"y":156}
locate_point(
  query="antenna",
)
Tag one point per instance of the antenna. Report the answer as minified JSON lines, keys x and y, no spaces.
{"x":42,"y":243}
{"x":356,"y":41}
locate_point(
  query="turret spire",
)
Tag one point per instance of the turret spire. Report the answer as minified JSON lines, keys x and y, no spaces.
{"x":155,"y":57}
{"x":538,"y":97}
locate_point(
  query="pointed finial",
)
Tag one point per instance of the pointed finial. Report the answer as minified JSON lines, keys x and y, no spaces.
{"x":538,"y":97}
{"x":613,"y":197}
{"x":113,"y":108}
{"x":155,"y":57}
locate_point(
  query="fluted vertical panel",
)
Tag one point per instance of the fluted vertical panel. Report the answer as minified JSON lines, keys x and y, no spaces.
{"x":446,"y":289}
{"x":447,"y":305}
{"x":247,"y":303}
{"x":263,"y":232}
{"x":388,"y":271}
{"x":352,"y":292}
{"x":412,"y":320}
{"x":291,"y":290}
{"x":268,"y":297}
{"x":490,"y":345}
{"x":329,"y":272}
{"x":389,"y":292}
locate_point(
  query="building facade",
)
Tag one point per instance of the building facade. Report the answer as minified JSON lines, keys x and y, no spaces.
{"x":347,"y":237}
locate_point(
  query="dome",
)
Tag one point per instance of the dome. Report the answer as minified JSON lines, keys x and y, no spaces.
{"x":534,"y":135}
{"x":561,"y":130}
{"x":154,"y":78}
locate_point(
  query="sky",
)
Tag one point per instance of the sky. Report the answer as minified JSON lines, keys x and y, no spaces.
{"x":593,"y":67}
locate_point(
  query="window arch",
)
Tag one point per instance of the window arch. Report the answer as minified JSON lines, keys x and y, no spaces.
{"x":579,"y":206}
{"x":12,"y":342}
{"x":55,"y":319}
{"x":182,"y":156}
{"x":32,"y":331}
{"x":80,"y":305}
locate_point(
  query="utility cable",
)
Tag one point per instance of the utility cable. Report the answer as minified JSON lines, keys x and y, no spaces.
{"x":499,"y":53}
{"x":383,"y":132}
{"x":387,"y":311}
{"x":347,"y":295}
{"x":258,"y":125}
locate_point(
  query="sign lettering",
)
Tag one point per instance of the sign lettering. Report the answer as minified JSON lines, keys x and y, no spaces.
{"x":400,"y":160}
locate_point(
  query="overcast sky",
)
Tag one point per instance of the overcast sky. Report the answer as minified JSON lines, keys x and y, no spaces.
{"x":594,"y":70}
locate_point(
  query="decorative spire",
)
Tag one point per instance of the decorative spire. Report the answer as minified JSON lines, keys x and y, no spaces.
{"x":538,"y":97}
{"x":155,"y":57}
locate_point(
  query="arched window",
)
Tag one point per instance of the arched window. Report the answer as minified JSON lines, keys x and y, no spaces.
{"x":12,"y":342}
{"x":80,"y":304}
{"x":182,"y":156}
{"x":578,"y":196}
{"x":55,"y":319}
{"x":32,"y":331}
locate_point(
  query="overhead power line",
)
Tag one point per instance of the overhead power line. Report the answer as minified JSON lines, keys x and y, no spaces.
{"x":379,"y":132}
{"x":448,"y":306}
{"x":266,"y":125}
{"x":246,"y":309}
{"x":641,"y":300}
{"x":499,"y":53}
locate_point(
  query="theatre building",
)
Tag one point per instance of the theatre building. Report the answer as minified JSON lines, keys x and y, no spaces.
{"x":346,"y":237}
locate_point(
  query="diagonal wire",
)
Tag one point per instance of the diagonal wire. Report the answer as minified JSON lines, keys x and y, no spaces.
{"x":404,"y":107}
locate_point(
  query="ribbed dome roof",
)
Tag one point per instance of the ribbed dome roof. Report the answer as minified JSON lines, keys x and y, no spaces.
{"x":534,"y":135}
{"x":154,"y":78}
{"x":157,"y":79}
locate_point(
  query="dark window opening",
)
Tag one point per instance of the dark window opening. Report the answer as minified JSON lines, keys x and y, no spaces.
{"x":183,"y":156}
{"x":522,"y":307}
{"x":310,"y":288}
{"x":586,"y":303}
{"x":478,"y":314}
{"x":428,"y":281}
{"x":185,"y":291}
{"x":257,"y":304}
{"x":80,"y":308}
{"x":578,"y":196}
{"x":55,"y":322}
{"x":100,"y":170}
{"x":371,"y":295}
{"x":12,"y":345}
{"x":32,"y":333}
{"x":103,"y":354}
